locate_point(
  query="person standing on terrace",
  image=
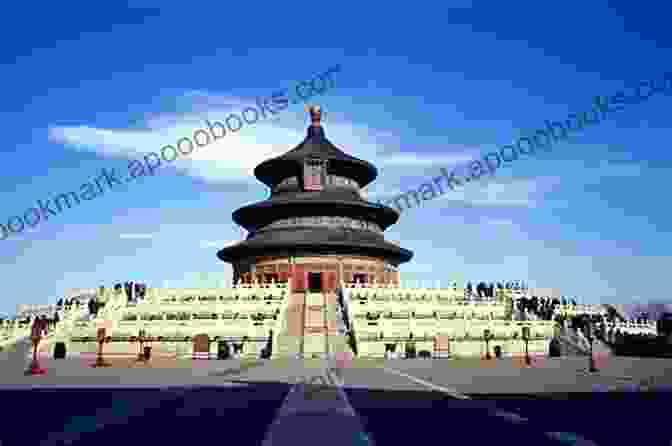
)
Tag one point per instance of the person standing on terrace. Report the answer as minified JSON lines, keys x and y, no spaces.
{"x":38,"y":330}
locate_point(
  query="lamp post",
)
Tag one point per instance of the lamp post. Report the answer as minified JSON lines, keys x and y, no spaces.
{"x":486,"y":336}
{"x":147,"y":350}
{"x":141,"y":342}
{"x":102,"y":339}
{"x":526,"y":338}
{"x":589,"y":336}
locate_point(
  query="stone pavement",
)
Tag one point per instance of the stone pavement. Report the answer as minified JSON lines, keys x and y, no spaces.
{"x":545,"y":376}
{"x":475,"y":377}
{"x":454,"y":377}
{"x":78,"y":371}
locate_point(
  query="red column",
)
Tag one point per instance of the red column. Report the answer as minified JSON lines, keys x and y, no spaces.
{"x":299,"y":277}
{"x":331,"y":281}
{"x":325,"y":282}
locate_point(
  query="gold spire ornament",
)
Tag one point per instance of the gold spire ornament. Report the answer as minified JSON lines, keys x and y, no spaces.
{"x":315,"y":114}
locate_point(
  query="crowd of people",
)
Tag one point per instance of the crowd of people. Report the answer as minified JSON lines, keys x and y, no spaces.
{"x":134,"y":291}
{"x":601,"y":326}
{"x":485,"y":290}
{"x":67,"y":304}
{"x":542,"y":307}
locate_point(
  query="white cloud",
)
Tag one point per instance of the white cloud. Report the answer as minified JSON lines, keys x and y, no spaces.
{"x":234,"y":157}
{"x":231,"y":158}
{"x":526,"y":192}
{"x":410,"y":160}
{"x":136,"y":236}
{"x":218,"y":244}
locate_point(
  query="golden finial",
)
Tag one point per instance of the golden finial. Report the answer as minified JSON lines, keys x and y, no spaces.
{"x":315,"y":114}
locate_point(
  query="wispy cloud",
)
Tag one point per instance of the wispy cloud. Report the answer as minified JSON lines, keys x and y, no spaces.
{"x":411,"y":160}
{"x":136,"y":236}
{"x":230,"y":158}
{"x":517,"y":192}
{"x":218,"y":244}
{"x":503,"y":192}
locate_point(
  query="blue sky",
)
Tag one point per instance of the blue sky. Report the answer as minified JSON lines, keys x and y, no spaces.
{"x":90,"y":86}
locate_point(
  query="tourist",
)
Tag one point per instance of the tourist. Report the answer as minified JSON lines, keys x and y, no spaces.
{"x":237,"y":350}
{"x":36,"y":335}
{"x":93,"y":307}
{"x":44,"y":324}
{"x":127,"y":288}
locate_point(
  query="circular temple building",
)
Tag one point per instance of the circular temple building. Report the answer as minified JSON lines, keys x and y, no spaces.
{"x":316,"y":227}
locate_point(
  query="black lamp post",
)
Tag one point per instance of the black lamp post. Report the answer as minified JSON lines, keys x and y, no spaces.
{"x":102,"y":338}
{"x":589,"y":336}
{"x":526,"y":338}
{"x":486,"y":336}
{"x":141,"y":342}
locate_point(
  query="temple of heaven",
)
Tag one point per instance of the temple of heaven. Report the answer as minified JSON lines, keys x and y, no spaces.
{"x":315,"y":227}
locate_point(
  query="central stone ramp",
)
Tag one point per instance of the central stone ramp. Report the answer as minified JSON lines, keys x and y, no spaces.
{"x":321,"y":329}
{"x":289,"y":341}
{"x":315,"y":325}
{"x":310,"y":327}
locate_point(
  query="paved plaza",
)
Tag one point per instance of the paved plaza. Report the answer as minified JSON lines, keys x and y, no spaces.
{"x":358,"y":402}
{"x":452,"y":376}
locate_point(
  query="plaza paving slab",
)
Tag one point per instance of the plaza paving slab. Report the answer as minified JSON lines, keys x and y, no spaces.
{"x":547,"y":375}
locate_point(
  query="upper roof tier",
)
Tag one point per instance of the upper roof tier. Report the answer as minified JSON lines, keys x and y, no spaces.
{"x":316,"y":146}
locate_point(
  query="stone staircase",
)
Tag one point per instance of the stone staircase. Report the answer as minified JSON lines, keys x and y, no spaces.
{"x":289,"y":340}
{"x":317,"y":325}
{"x":311,"y":326}
{"x":338,"y":341}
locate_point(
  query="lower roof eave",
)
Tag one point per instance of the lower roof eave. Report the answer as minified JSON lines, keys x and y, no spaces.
{"x":241,"y":251}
